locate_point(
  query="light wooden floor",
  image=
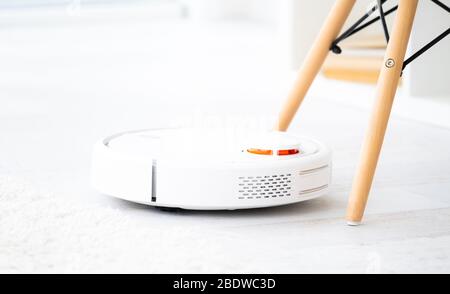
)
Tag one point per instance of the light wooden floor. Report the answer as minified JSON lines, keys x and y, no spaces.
{"x":63,"y":88}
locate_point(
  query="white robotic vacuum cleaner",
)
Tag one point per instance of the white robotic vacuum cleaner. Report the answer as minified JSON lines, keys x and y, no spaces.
{"x":210,"y":169}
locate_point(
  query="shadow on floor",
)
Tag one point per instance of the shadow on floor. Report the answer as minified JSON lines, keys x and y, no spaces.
{"x":319,"y":207}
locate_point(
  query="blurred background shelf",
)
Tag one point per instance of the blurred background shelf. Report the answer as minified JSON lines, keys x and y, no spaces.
{"x":360,"y":60}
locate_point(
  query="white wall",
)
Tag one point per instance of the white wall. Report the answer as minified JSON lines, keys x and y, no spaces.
{"x":255,"y":10}
{"x":428,"y":75}
{"x":217,"y":9}
{"x":299,"y":21}
{"x":299,"y":25}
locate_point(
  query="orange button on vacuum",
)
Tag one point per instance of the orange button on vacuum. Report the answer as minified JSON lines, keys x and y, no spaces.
{"x":260,"y":151}
{"x":270,"y":152}
{"x":288,"y":152}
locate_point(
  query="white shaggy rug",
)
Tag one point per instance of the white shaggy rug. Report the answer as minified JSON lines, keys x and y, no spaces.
{"x":42,"y":232}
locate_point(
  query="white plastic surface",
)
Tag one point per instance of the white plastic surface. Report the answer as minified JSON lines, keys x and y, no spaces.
{"x":209,"y":169}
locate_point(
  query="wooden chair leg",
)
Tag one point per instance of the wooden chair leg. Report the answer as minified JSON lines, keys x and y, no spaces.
{"x":385,"y":92}
{"x":314,"y":60}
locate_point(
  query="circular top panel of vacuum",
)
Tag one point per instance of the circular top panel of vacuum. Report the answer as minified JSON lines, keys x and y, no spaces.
{"x":210,"y":145}
{"x":183,"y":144}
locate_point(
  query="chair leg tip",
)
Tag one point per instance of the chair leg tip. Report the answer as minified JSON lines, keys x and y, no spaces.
{"x":353,"y":223}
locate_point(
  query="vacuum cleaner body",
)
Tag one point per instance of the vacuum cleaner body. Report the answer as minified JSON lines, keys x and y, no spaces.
{"x":210,"y":169}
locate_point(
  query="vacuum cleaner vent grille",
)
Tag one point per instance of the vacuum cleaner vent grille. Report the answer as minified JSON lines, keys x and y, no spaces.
{"x":267,"y":186}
